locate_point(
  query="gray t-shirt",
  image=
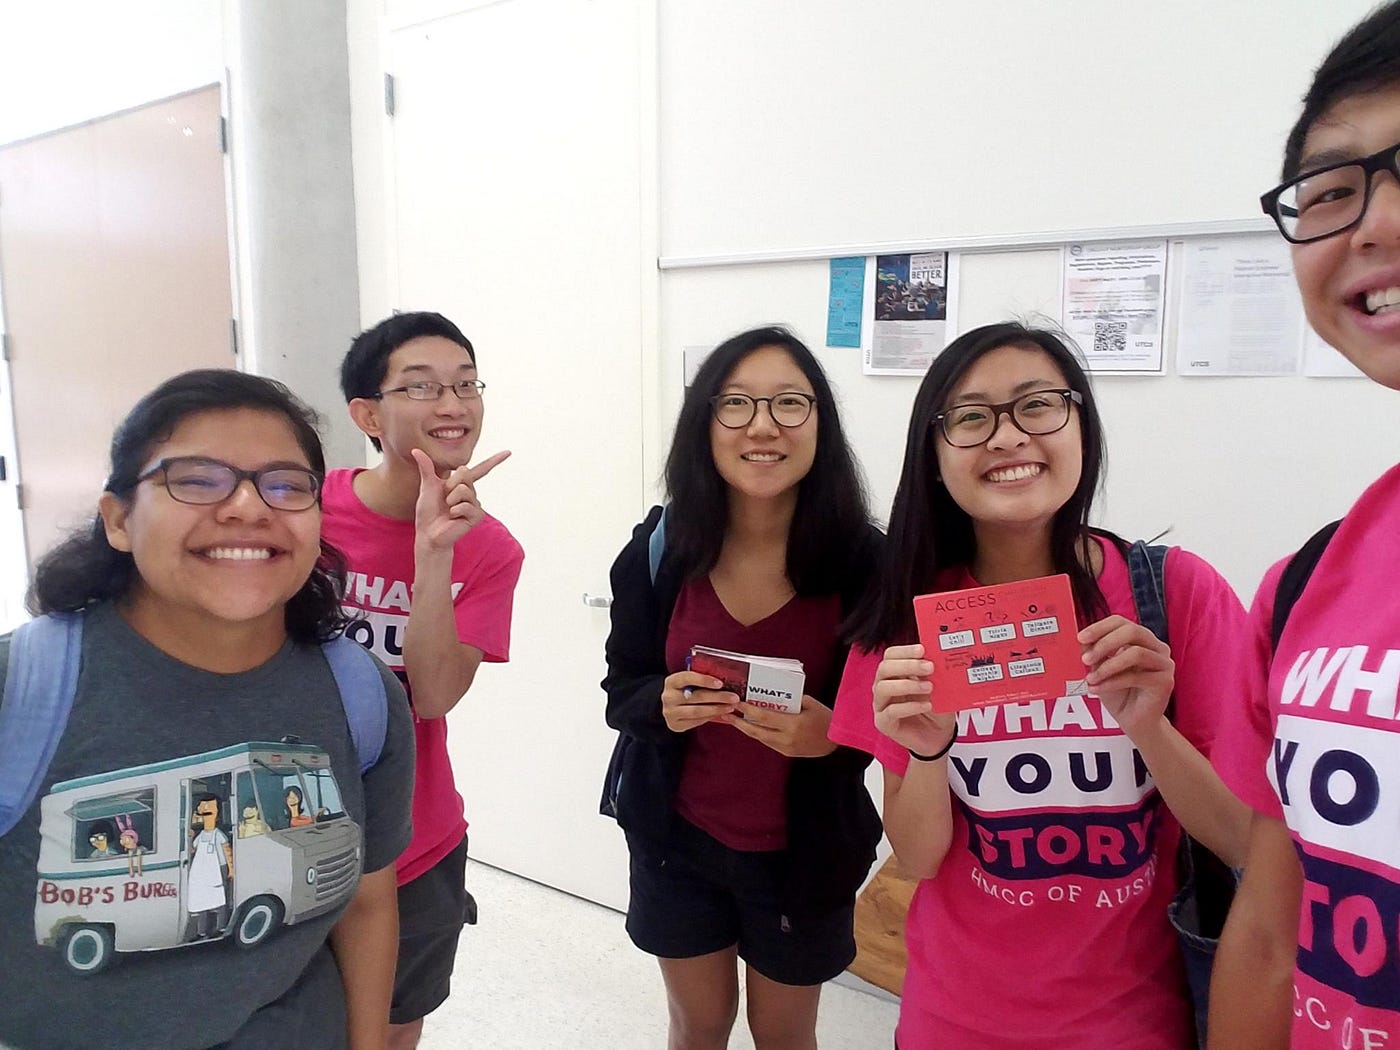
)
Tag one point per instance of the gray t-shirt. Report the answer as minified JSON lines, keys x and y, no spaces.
{"x":196,"y":837}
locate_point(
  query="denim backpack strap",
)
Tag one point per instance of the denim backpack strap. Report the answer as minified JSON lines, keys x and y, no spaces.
{"x":1147,"y":567}
{"x":363,"y":696}
{"x":41,"y":680}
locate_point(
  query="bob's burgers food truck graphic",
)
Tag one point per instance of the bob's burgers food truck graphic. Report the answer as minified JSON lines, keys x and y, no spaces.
{"x":225,"y":845}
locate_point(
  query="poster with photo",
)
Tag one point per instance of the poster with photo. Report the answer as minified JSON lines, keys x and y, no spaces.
{"x":915,"y":302}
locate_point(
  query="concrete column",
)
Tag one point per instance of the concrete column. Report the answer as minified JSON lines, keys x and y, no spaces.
{"x":294,"y":201}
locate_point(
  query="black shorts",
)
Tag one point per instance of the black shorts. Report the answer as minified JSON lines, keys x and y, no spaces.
{"x":699,"y":896}
{"x":432,"y":911}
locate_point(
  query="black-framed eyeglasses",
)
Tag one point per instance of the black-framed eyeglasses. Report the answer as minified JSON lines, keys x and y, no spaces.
{"x":1328,"y":200}
{"x":736,"y":411}
{"x":431,"y":390}
{"x":201,"y":481}
{"x":1038,"y":413}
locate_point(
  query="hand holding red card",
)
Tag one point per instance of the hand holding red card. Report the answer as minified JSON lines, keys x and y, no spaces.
{"x":1008,"y":643}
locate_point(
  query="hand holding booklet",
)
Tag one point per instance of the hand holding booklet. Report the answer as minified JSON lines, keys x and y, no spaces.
{"x":1008,"y":643}
{"x":770,"y":682}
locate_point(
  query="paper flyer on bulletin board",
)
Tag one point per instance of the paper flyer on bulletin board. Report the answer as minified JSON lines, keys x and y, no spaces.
{"x":915,"y":304}
{"x":1322,"y":360}
{"x":1112,"y":299}
{"x":1240,"y":314}
{"x":845,"y":301}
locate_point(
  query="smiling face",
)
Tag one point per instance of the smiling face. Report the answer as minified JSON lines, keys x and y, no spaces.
{"x":446,"y":429}
{"x":764,"y":460}
{"x":1350,"y":282}
{"x":230,"y":565}
{"x":1013,"y":480}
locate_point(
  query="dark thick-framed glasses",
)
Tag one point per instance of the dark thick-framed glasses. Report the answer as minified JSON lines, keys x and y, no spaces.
{"x":736,"y":411}
{"x":1327,"y":201}
{"x":1037,"y":413}
{"x":431,"y":390}
{"x":201,"y":481}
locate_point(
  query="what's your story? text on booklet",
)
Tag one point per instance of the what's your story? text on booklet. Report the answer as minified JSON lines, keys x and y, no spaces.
{"x":1008,"y":643}
{"x":769,"y":682}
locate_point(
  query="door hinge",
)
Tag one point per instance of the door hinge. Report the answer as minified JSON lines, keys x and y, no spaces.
{"x":233,"y":335}
{"x":19,"y":494}
{"x":389,"y":94}
{"x":4,"y":346}
{"x":223,"y":134}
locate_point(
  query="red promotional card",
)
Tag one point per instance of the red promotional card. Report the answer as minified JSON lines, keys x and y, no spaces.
{"x":1004,"y":644}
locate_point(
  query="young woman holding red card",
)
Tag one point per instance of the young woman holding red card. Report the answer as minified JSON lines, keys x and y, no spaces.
{"x":749,"y":830}
{"x":1044,"y":834}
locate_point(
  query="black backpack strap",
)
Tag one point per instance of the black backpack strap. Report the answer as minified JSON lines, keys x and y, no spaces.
{"x":1147,"y":571}
{"x":1295,"y":577}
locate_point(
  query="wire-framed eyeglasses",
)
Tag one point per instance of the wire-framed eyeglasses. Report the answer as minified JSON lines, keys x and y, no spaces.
{"x":431,"y":390}
{"x":1037,"y":413}
{"x":736,"y":411}
{"x":201,"y":481}
{"x":1328,"y":200}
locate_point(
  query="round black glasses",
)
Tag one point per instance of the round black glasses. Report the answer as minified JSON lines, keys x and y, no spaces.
{"x":1038,"y":413}
{"x":736,"y":411}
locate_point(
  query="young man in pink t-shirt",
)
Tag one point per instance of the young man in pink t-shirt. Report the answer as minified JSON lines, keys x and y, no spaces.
{"x":1310,"y":957}
{"x":433,"y":576}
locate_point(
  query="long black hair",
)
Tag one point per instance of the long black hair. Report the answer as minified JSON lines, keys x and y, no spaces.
{"x":929,"y":532}
{"x":85,"y":569}
{"x":829,"y":526}
{"x":1367,"y":59}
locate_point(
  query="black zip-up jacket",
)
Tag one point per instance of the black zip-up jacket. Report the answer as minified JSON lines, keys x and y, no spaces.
{"x":832,"y":824}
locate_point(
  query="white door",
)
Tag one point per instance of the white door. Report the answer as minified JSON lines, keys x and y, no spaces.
{"x":516,"y":210}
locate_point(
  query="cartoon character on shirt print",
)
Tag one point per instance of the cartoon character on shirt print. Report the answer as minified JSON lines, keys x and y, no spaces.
{"x":203,"y":875}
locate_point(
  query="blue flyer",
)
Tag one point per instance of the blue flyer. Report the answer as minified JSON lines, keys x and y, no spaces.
{"x":845,"y":301}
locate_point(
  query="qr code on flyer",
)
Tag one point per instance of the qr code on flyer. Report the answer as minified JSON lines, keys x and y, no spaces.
{"x":1110,"y":337}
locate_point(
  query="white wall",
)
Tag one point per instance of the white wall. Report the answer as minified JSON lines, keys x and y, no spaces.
{"x":826,"y":122}
{"x":66,"y":61}
{"x":788,"y":127}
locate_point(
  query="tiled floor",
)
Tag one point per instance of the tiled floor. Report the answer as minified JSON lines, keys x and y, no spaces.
{"x":545,"y":970}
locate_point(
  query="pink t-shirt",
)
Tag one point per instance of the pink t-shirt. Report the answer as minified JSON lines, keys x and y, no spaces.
{"x":485,"y":567}
{"x":1316,"y":746}
{"x":1046,"y":925}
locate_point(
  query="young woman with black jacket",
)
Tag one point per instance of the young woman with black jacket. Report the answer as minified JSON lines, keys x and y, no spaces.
{"x":749,"y":831}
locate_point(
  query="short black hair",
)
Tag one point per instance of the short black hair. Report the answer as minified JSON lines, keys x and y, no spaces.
{"x":929,"y":532}
{"x":1367,"y":59}
{"x":85,"y":569}
{"x":367,"y":360}
{"x":831,"y":519}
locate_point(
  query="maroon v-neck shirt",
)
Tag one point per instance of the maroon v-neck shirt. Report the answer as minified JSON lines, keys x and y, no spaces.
{"x":732,"y":786}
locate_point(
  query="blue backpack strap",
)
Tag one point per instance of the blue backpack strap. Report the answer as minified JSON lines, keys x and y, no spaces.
{"x":656,"y":545}
{"x":41,"y":680}
{"x":1147,"y":572}
{"x":363,"y":695}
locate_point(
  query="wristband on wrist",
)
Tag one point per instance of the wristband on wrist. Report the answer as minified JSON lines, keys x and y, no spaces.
{"x":940,"y":752}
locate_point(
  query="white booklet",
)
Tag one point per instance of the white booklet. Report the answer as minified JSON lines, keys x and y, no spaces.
{"x":771,"y":682}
